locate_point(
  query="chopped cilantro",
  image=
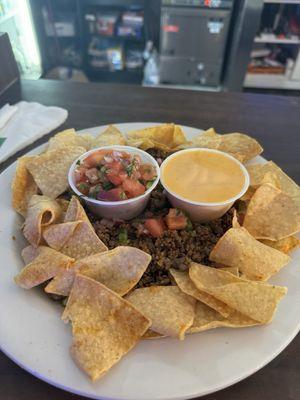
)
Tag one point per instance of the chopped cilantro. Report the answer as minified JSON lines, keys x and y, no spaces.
{"x":134,"y":164}
{"x":78,"y":162}
{"x":83,"y":187}
{"x":123,"y":236}
{"x":107,"y":186}
{"x":189,"y":226}
{"x":129,"y":169}
{"x":94,"y":191}
{"x":150,"y":183}
{"x":123,"y":196}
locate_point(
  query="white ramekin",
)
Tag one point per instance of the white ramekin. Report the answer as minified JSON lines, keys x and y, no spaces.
{"x":124,"y":209}
{"x":203,"y":211}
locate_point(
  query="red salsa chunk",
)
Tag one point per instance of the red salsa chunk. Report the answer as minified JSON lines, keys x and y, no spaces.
{"x":111,"y":175}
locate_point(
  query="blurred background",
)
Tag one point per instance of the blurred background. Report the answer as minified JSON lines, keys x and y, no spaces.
{"x":238,"y":45}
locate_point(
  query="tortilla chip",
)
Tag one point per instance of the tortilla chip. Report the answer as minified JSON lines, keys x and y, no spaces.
{"x":57,"y":235}
{"x":165,"y":137}
{"x":285,"y":245}
{"x":255,"y":300}
{"x":235,"y":219}
{"x":233,"y":270}
{"x":83,"y":243}
{"x":258,"y":173}
{"x":269,"y":177}
{"x":119,"y":269}
{"x":45,"y":264}
{"x":42,"y":211}
{"x":170,"y":310}
{"x":256,"y":261}
{"x":75,"y":211}
{"x":143,"y":143}
{"x":185,"y":284}
{"x":23,"y":186}
{"x":110,"y":136}
{"x":75,"y":239}
{"x":207,"y":139}
{"x":272,"y":214}
{"x":69,"y":138}
{"x":239,"y":145}
{"x":105,"y":326}
{"x":50,"y":169}
{"x":152,"y":335}
{"x":212,"y":277}
{"x":29,"y":253}
{"x":206,"y":318}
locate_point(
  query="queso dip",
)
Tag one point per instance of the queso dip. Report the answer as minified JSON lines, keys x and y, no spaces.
{"x":202,"y":176}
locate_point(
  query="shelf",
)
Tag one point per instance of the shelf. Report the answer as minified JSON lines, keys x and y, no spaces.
{"x":114,"y":3}
{"x":61,"y":37}
{"x":271,"y":38}
{"x":132,"y":39}
{"x":8,"y":16}
{"x":282,"y":1}
{"x":270,"y":81}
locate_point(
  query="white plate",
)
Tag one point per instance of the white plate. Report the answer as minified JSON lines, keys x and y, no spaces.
{"x":32,"y":334}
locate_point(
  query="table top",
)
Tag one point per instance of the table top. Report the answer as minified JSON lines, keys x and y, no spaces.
{"x":272,"y":120}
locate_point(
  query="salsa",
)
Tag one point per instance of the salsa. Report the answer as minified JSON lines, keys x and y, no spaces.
{"x":111,"y":175}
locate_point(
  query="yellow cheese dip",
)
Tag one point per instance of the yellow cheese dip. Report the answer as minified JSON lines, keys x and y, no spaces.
{"x":203,"y":176}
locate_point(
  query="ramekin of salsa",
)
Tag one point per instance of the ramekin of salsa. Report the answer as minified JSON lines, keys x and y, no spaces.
{"x":115,"y":181}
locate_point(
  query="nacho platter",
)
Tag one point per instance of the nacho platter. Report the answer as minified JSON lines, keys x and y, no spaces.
{"x":160,"y":357}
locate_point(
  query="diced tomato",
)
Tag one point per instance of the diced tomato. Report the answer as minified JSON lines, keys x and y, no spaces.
{"x":79,"y":175}
{"x":94,"y":159}
{"x":115,"y":194}
{"x":114,"y":166}
{"x":133,"y":188}
{"x":114,"y":178}
{"x":123,"y":175}
{"x":176,"y":220}
{"x":156,"y":227}
{"x":147,"y":171}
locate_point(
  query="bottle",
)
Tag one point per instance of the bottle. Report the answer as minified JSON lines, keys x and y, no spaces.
{"x":151,"y":70}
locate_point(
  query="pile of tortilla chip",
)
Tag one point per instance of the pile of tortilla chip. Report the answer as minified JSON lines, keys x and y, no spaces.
{"x":166,"y":137}
{"x":239,"y":145}
{"x":109,"y":315}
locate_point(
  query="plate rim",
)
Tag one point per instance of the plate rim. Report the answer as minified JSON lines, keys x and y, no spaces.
{"x":237,"y":379}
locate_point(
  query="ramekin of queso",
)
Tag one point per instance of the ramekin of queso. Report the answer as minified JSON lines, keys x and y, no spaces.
{"x":203,"y":182}
{"x":115,"y":182}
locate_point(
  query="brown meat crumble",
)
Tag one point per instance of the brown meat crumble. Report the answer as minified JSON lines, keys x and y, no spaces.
{"x":174,"y":249}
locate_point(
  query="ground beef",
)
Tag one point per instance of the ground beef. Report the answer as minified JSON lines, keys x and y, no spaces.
{"x":158,"y":154}
{"x":174,"y":249}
